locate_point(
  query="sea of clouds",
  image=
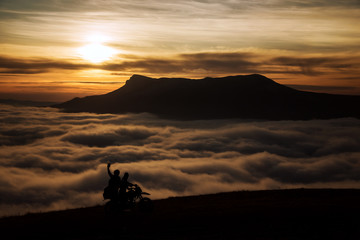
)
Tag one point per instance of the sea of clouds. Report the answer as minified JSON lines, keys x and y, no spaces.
{"x":51,"y":160}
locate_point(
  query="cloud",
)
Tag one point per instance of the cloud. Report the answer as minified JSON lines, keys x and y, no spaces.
{"x":210,"y":62}
{"x":198,"y":64}
{"x":53,"y":160}
{"x":320,"y":3}
{"x":24,"y":135}
{"x":121,"y":136}
{"x":316,"y":65}
{"x":306,"y":171}
{"x":36,"y":65}
{"x":166,"y":7}
{"x":183,"y":26}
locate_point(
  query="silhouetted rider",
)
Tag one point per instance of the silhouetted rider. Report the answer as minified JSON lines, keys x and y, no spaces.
{"x":123,"y":187}
{"x":114,"y":182}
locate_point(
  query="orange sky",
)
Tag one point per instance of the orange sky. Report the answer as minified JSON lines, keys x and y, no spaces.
{"x":54,"y":50}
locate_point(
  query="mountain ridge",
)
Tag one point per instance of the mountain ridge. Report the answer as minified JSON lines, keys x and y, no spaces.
{"x":242,"y":96}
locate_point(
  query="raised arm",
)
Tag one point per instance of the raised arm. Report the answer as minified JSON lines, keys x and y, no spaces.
{"x":108,"y":169}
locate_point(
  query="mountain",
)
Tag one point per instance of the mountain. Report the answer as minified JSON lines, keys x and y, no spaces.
{"x":268,"y":215}
{"x":249,"y":96}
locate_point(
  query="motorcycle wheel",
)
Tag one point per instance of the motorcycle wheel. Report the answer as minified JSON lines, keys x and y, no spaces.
{"x":146,"y":205}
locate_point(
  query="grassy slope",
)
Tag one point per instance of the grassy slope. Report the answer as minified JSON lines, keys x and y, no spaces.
{"x":279,"y":214}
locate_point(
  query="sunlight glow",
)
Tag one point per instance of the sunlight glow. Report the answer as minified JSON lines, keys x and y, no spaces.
{"x":96,"y":52}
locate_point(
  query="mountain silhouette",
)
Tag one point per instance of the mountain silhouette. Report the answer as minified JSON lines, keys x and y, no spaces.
{"x":244,"y":96}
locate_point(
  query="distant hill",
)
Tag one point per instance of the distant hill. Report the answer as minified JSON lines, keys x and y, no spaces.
{"x":250,"y":97}
{"x":275,"y":214}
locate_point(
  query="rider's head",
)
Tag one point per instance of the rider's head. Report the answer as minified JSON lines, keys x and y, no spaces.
{"x":117,"y":172}
{"x":126,"y":175}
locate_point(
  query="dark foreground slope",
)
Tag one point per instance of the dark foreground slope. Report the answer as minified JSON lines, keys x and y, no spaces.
{"x":283,"y":214}
{"x":251,"y":96}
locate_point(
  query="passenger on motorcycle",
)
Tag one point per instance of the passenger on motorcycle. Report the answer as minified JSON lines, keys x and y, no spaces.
{"x":114,"y":183}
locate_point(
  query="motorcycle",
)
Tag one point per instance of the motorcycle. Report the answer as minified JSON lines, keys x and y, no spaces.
{"x":132,"y":199}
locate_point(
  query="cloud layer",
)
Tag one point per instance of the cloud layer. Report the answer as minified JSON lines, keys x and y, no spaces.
{"x":192,"y":63}
{"x":52,"y":160}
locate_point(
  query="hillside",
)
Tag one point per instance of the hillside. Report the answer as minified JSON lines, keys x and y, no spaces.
{"x":276,"y":214}
{"x":251,"y":97}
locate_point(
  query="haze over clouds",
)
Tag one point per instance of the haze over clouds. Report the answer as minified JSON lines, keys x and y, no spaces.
{"x":53,"y":160}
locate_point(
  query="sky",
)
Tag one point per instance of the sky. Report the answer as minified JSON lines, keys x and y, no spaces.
{"x":50,"y":160}
{"x":54,"y":50}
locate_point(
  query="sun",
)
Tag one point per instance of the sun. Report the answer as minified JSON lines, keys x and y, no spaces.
{"x":96,"y":51}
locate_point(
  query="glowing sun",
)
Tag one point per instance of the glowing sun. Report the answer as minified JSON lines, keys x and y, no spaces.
{"x":96,"y":51}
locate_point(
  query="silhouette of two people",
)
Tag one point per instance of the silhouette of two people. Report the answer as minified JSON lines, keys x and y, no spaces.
{"x":117,"y":187}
